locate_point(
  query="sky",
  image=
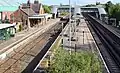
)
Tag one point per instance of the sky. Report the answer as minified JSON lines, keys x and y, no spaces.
{"x":54,"y":2}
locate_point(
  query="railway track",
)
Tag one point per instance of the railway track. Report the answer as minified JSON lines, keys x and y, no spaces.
{"x":108,"y":44}
{"x":54,"y":34}
{"x":27,"y":56}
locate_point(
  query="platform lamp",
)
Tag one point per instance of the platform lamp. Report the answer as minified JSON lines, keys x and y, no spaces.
{"x":70,"y":24}
{"x":28,"y":8}
{"x":75,"y":25}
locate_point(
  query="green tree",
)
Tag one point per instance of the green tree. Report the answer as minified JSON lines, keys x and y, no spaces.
{"x":107,"y":7}
{"x":114,"y":12}
{"x":47,"y":9}
{"x":97,"y":3}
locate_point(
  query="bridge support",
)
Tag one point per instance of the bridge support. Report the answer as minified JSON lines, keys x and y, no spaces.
{"x":97,"y":15}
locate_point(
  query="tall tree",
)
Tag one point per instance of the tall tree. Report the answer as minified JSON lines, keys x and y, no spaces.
{"x":47,"y":9}
{"x":97,"y":3}
{"x":107,"y":7}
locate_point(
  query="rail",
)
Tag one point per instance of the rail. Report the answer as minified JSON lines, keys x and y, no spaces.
{"x":112,"y":47}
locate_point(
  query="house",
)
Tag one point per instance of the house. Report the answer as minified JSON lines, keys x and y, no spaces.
{"x":21,"y":16}
{"x":36,"y":6}
{"x":5,"y":12}
{"x":25,"y":11}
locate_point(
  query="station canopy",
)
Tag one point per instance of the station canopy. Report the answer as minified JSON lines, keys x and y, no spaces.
{"x":3,"y":26}
{"x":102,"y":11}
{"x":40,"y":16}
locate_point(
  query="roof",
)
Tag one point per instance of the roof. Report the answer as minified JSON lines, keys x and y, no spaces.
{"x":89,"y":7}
{"x":36,"y":7}
{"x":2,"y":26}
{"x":24,"y":5}
{"x":28,"y":11}
{"x":102,"y":11}
{"x":40,"y":16}
{"x":77,"y":10}
{"x":8,"y":8}
{"x":36,"y":16}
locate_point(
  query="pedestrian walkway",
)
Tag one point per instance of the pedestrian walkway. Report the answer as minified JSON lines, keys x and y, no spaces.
{"x":21,"y":35}
{"x":82,"y":38}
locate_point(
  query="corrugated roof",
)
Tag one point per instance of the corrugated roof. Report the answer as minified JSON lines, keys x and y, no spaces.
{"x":102,"y":11}
{"x":2,"y":26}
{"x":8,"y":8}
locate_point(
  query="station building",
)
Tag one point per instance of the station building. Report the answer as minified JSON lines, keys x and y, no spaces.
{"x":30,"y":14}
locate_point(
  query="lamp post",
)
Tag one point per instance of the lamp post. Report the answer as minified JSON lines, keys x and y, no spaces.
{"x":28,"y":20}
{"x":62,"y":35}
{"x":70,"y":23}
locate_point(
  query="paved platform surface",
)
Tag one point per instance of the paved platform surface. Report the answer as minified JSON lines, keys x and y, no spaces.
{"x":83,"y":38}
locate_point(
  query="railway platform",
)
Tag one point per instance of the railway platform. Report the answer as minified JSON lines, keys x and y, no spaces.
{"x":17,"y":57}
{"x":83,"y":41}
{"x":82,"y":38}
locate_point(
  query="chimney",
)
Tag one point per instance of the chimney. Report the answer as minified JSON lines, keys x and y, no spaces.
{"x":36,"y":2}
{"x":28,"y":2}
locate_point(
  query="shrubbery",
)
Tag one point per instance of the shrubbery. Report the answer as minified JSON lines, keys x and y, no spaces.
{"x":76,"y":62}
{"x":64,"y":13}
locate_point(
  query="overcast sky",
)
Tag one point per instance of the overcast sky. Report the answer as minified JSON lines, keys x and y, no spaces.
{"x":55,"y":2}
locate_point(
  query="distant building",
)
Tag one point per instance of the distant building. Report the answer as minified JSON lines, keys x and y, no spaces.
{"x":6,"y":11}
{"x":21,"y":16}
{"x":25,"y":11}
{"x":36,"y":6}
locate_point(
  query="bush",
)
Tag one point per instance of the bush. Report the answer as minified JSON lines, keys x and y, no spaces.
{"x":47,"y":9}
{"x":64,"y":13}
{"x":76,"y":62}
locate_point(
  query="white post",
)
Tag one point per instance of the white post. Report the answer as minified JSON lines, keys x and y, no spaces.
{"x":70,"y":24}
{"x":115,"y":23}
{"x":62,"y":34}
{"x":119,"y":24}
{"x":28,"y":19}
{"x":75,"y":19}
